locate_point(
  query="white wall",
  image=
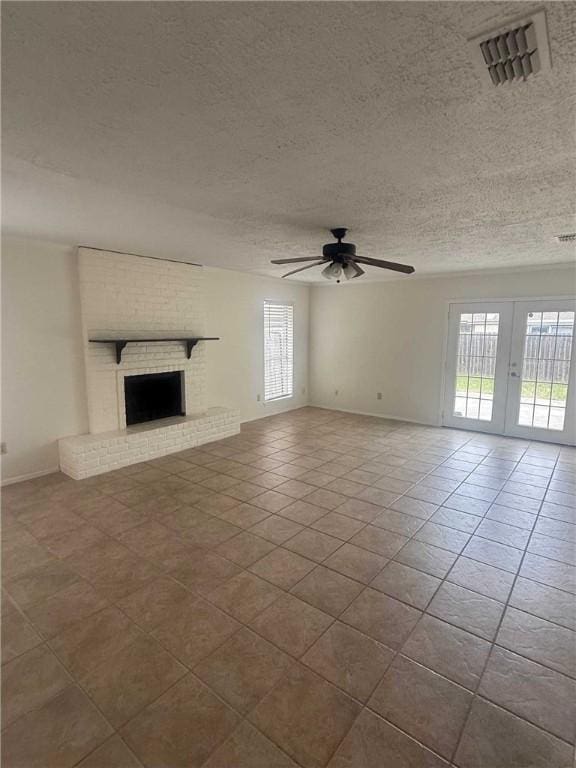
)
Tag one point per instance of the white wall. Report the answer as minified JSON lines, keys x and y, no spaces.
{"x":388,"y":337}
{"x":235,"y":364}
{"x":43,"y":381}
{"x":43,"y":388}
{"x":367,"y":338}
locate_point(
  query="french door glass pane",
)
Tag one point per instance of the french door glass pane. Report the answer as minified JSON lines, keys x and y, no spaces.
{"x":545,"y":369}
{"x":476,"y":364}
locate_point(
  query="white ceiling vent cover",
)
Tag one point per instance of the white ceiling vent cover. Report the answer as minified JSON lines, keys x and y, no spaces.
{"x":513,"y":52}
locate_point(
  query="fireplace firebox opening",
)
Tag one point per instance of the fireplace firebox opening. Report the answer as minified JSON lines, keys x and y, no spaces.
{"x":152,"y":396}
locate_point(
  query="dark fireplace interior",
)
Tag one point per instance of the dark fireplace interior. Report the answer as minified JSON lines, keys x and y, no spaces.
{"x":153,"y":396}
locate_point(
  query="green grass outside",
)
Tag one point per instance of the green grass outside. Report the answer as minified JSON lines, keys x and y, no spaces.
{"x":543,"y":391}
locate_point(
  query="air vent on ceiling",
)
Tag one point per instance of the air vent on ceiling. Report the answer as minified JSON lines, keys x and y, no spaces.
{"x":569,"y":237}
{"x":514,"y":51}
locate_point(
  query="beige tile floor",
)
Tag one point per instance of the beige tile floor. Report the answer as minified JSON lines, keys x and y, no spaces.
{"x":321,"y":590}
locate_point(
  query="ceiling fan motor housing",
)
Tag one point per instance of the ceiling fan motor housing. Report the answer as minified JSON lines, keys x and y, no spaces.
{"x":339,"y":251}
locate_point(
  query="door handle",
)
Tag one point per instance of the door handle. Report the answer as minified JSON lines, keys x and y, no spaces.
{"x":514,"y":374}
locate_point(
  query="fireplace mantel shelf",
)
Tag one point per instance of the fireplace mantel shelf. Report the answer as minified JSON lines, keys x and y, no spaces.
{"x":120,"y":343}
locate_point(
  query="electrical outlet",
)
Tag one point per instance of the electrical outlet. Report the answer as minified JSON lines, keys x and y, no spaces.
{"x":378,"y":395}
{"x":3,"y":448}
{"x":258,"y":398}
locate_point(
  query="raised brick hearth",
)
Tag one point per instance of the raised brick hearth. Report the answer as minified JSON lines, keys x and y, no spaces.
{"x":88,"y":455}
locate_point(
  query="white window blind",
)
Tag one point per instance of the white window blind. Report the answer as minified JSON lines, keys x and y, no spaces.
{"x":278,"y":350}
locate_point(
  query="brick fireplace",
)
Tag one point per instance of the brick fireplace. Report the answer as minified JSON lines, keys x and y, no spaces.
{"x":146,"y":298}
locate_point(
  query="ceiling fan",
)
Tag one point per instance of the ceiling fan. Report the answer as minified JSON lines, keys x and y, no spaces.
{"x":341,"y":260}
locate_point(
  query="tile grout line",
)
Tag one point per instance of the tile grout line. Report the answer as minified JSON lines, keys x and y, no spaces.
{"x":365,"y":586}
{"x":366,"y":705}
{"x":494,"y":643}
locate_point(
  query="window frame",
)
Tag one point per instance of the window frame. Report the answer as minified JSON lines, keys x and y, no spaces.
{"x":290,"y":305}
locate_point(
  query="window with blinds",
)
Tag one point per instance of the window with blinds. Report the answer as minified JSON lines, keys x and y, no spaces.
{"x":278,"y":350}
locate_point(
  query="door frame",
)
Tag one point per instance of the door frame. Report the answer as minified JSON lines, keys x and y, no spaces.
{"x":568,"y":434}
{"x":445,"y":381}
{"x":497,"y":423}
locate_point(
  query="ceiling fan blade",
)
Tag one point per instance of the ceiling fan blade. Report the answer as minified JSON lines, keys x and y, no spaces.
{"x":294,"y":261}
{"x":302,"y":268}
{"x":386,"y":265}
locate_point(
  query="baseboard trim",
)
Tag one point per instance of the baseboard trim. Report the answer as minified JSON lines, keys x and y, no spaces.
{"x":279,"y":412}
{"x":377,"y":415}
{"x":29,"y":476}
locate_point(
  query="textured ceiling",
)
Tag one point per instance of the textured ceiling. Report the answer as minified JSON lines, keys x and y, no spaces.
{"x":232,"y":133}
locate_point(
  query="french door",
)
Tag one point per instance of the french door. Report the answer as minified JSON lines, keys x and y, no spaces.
{"x":510,"y":369}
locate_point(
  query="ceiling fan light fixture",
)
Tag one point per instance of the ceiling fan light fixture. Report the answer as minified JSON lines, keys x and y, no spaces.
{"x":333,"y":270}
{"x":349,"y":272}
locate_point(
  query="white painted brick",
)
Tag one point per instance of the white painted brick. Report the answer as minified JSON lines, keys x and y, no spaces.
{"x":120,"y":293}
{"x":83,"y":456}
